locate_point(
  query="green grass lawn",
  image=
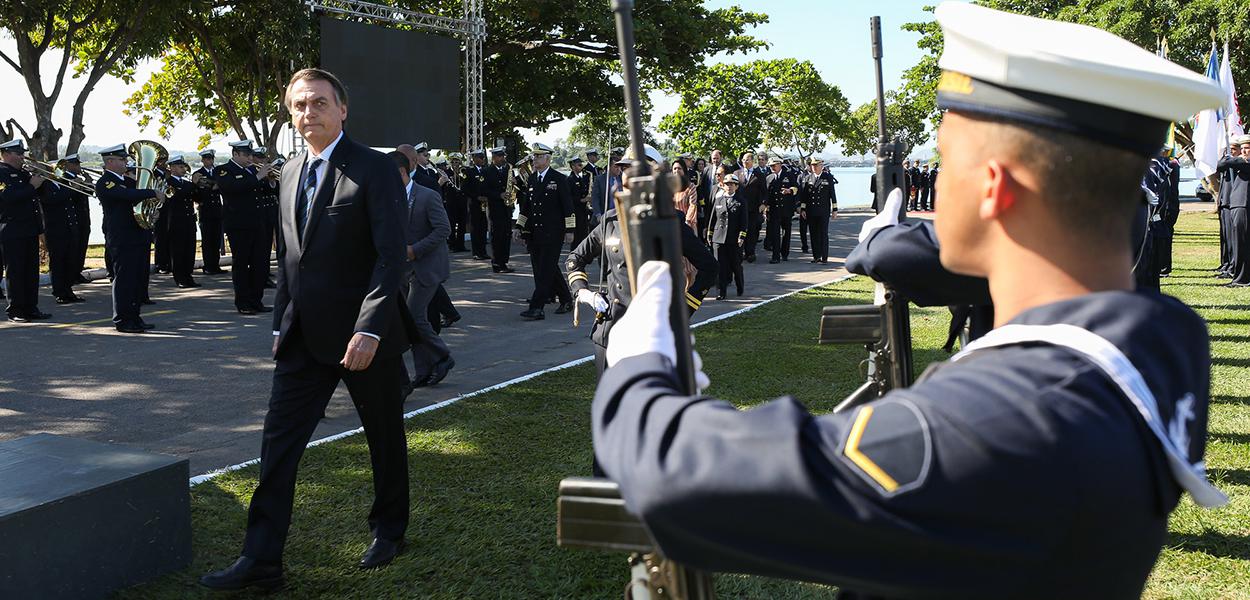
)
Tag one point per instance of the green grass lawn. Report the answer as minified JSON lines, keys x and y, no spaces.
{"x":484,"y":472}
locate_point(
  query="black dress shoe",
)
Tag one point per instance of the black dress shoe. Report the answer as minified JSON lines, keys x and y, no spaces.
{"x":381,"y":552}
{"x":130,"y":328}
{"x":146,"y":325}
{"x":564,"y":308}
{"x":480,"y":257}
{"x":245,"y":573}
{"x":38,"y":315}
{"x":64,"y":300}
{"x":247,"y":311}
{"x":449,"y":321}
{"x":786,"y":258}
{"x":264,"y":309}
{"x":441,"y":369}
{"x":534,"y":314}
{"x":212,"y":271}
{"x":814,"y":260}
{"x":80,"y":280}
{"x":773,"y":261}
{"x":720,"y":296}
{"x":188,"y":284}
{"x":77,"y":298}
{"x":504,"y":269}
{"x":750,"y":258}
{"x":18,"y":319}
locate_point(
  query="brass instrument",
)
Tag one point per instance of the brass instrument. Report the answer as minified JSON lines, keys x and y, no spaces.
{"x":275,"y":169}
{"x":522,"y":170}
{"x":56,"y":175}
{"x":146,"y":155}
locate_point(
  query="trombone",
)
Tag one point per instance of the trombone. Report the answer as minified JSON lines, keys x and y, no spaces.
{"x":56,"y":175}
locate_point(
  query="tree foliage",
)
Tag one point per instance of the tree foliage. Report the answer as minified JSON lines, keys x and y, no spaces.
{"x":98,"y":38}
{"x":782,"y":103}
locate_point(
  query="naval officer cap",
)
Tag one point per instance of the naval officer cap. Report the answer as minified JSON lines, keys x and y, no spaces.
{"x":575,"y":160}
{"x":72,"y":158}
{"x":1241,"y":139}
{"x":651,"y":153}
{"x":498,"y":150}
{"x":13,"y":146}
{"x":592,"y":152}
{"x":540,"y":149}
{"x":423,"y":147}
{"x":177,"y":160}
{"x":776,"y":160}
{"x":259,"y":151}
{"x":478,"y":152}
{"x":1064,"y":76}
{"x":208,"y":152}
{"x":118,"y":151}
{"x":242,"y":145}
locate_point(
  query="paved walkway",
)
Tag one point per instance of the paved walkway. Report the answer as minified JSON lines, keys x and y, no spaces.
{"x":198,"y":385}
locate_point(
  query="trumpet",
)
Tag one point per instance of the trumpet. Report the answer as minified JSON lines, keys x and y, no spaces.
{"x":56,"y":175}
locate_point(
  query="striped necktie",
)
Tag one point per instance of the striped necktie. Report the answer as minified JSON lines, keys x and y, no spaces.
{"x":310,"y":191}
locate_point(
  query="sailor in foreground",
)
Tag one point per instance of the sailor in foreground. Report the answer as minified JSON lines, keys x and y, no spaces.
{"x":126,"y":242}
{"x":1040,"y":462}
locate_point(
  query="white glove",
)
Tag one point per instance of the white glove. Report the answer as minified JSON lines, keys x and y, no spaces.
{"x":595,"y":301}
{"x":886,"y":218}
{"x":645,"y":326}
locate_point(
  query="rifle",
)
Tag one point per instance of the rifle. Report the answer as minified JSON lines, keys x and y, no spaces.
{"x":591,"y":511}
{"x":884,"y":327}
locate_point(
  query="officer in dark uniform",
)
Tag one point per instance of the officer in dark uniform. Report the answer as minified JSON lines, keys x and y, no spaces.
{"x":1040,"y":462}
{"x":160,"y":233}
{"x":209,"y":201}
{"x":818,"y":204}
{"x":497,"y":211}
{"x":268,"y":198}
{"x":82,"y":216}
{"x":456,"y":202}
{"x":1236,"y":221}
{"x":604,"y":244}
{"x":180,"y":199}
{"x":727,"y":230}
{"x":20,"y":226}
{"x":1170,"y":211}
{"x":545,"y":214}
{"x":246,"y":225}
{"x":60,"y":234}
{"x":579,"y":186}
{"x":474,"y":190}
{"x":126,"y":242}
{"x":592,"y":163}
{"x":783,"y":189}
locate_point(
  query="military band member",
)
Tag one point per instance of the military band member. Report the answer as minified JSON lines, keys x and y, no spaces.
{"x":782,"y":187}
{"x":82,"y":215}
{"x":545,"y":214}
{"x":727,"y":230}
{"x":127,"y":243}
{"x":456,"y":202}
{"x":916,"y":494}
{"x":247,"y":227}
{"x":20,"y":226}
{"x":268,"y":197}
{"x":592,"y":162}
{"x":580,"y":179}
{"x":181,"y":202}
{"x":819,"y":204}
{"x":497,"y":209}
{"x":60,"y":225}
{"x":209,"y":201}
{"x":475,"y":196}
{"x":1237,"y":219}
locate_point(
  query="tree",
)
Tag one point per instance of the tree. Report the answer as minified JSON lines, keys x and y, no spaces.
{"x":98,"y":37}
{"x":904,"y":120}
{"x":227,"y":68}
{"x":735,"y":108}
{"x":607,"y":128}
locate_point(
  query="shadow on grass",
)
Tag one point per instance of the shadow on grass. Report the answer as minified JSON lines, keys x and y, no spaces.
{"x":1229,"y":438}
{"x":1226,"y":361}
{"x":1244,"y":400}
{"x":1213,"y":543}
{"x":1231,"y":476}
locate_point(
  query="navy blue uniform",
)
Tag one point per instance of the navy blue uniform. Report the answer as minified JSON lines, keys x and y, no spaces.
{"x":818,"y":200}
{"x":247,"y":226}
{"x":181,"y":228}
{"x":60,"y":223}
{"x":579,"y":189}
{"x":546,"y":211}
{"x":127,"y":244}
{"x":494,"y":184}
{"x":1017,"y":471}
{"x":474,"y":189}
{"x":728,"y":225}
{"x":781,"y":206}
{"x":20,"y":226}
{"x":82,"y":216}
{"x":209,"y":201}
{"x":1236,"y":171}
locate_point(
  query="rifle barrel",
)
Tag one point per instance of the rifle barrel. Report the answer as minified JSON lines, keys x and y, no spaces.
{"x":875,"y":24}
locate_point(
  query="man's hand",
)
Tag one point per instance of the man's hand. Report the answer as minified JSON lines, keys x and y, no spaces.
{"x":275,"y":344}
{"x":595,"y":301}
{"x":36,"y":181}
{"x":833,"y":215}
{"x":360,"y":351}
{"x":412,"y":254}
{"x":802,"y":214}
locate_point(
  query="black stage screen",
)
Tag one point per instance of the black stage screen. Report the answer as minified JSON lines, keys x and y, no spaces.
{"x":403,"y":87}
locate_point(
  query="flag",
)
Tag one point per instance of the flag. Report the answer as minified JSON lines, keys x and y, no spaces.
{"x":1232,"y":115}
{"x":1208,"y":130}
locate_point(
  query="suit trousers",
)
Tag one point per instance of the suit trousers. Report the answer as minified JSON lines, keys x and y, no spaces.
{"x":1226,"y":262}
{"x":21,"y":269}
{"x":500,"y":233}
{"x":819,"y":226}
{"x":429,"y":349}
{"x":1163,"y":249}
{"x":250,"y":266}
{"x":548,"y":278}
{"x":755,"y":222}
{"x":83,"y":240}
{"x":61,"y":239}
{"x":182,"y":248}
{"x":130,"y":284}
{"x":210,"y":242}
{"x":301,"y":390}
{"x":161,"y":239}
{"x":458,"y":215}
{"x":729,"y":266}
{"x":803,"y":231}
{"x":779,"y":232}
{"x":1239,"y":244}
{"x":478,"y":225}
{"x":925,"y":202}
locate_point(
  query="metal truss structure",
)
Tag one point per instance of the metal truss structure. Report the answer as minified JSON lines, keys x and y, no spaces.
{"x":470,"y":29}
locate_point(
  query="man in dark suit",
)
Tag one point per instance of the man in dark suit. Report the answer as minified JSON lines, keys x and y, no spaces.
{"x":425,"y":226}
{"x":209,"y":201}
{"x":545,"y":215}
{"x":20,"y":227}
{"x":247,"y":227}
{"x":127,"y":243}
{"x":498,"y":210}
{"x":752,"y":193}
{"x":580,"y":179}
{"x":603,"y":191}
{"x":339,"y":315}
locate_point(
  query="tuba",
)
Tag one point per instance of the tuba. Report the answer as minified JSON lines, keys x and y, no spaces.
{"x":146,"y":154}
{"x":522,"y":171}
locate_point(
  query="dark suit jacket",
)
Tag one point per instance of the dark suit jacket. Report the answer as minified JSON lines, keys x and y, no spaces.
{"x":754,"y":193}
{"x":728,"y":220}
{"x":344,"y":275}
{"x":426,"y":228}
{"x":598,"y":193}
{"x":241,"y":194}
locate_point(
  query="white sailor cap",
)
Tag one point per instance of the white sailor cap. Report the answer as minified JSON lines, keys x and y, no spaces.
{"x":242,"y":145}
{"x":177,"y":160}
{"x":423,"y":147}
{"x":651,"y":153}
{"x":208,"y":152}
{"x":118,"y":151}
{"x":13,"y":146}
{"x":442,"y":160}
{"x":73,"y":158}
{"x":456,"y":156}
{"x":619,"y":151}
{"x":499,"y":150}
{"x":815,"y":160}
{"x":1241,"y":139}
{"x":540,"y":149}
{"x":590,"y":151}
{"x":730,"y":178}
{"x":576,"y":159}
{"x":479,"y":152}
{"x":260,"y":150}
{"x":776,"y":160}
{"x":1064,"y":76}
